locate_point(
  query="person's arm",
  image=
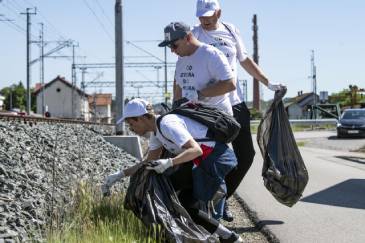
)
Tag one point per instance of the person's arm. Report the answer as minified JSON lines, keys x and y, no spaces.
{"x":220,"y":88}
{"x":152,"y":155}
{"x":192,"y":151}
{"x":254,"y":70}
{"x":177,"y":91}
{"x":120,"y":174}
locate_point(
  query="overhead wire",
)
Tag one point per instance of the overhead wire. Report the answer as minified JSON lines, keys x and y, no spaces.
{"x":14,"y":2}
{"x":99,"y":21}
{"x":14,"y":9}
{"x":12,"y":25}
{"x":19,"y":12}
{"x":97,"y":14}
{"x":59,"y":35}
{"x":54,"y":29}
{"x":102,"y":10}
{"x":84,"y":53}
{"x":11,"y":22}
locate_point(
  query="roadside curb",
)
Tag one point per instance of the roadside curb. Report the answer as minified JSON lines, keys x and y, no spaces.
{"x":255,"y":219}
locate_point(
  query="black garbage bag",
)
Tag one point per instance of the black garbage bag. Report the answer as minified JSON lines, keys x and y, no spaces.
{"x":152,"y":199}
{"x":283,"y":171}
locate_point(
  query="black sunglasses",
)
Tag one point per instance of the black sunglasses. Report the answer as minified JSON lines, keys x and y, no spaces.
{"x":173,"y":45}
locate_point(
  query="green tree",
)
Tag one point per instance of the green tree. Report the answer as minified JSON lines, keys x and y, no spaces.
{"x":341,"y":97}
{"x":255,"y":114}
{"x":15,"y":97}
{"x":348,"y":97}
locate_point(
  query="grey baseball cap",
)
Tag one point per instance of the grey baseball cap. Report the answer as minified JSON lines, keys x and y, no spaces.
{"x":173,"y":32}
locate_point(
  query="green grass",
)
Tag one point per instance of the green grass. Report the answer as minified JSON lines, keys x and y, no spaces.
{"x":301,"y":143}
{"x":95,"y":219}
{"x":301,"y":128}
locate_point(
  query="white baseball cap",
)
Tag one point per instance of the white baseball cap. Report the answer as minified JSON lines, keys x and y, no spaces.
{"x":206,"y":8}
{"x":134,"y":108}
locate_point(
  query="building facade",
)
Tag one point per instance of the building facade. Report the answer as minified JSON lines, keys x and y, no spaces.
{"x":299,"y":107}
{"x":62,"y":100}
{"x":100,"y":107}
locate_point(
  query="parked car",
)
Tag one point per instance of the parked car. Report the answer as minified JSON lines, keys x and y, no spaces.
{"x":351,"y":123}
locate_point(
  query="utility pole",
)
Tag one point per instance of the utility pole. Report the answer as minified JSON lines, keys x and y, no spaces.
{"x":119,"y":65}
{"x":73,"y":77}
{"x":41,"y":55}
{"x":314,"y":84}
{"x":94,"y":106}
{"x":11,"y":98}
{"x":28,"y":13}
{"x":256,"y":85}
{"x":158,"y":74}
{"x":137,"y":87}
{"x":243,"y":89}
{"x":83,"y":72}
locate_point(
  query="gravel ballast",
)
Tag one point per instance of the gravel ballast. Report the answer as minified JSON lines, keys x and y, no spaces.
{"x":40,"y":164}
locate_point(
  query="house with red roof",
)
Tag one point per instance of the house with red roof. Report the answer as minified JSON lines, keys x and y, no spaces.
{"x":59,"y":98}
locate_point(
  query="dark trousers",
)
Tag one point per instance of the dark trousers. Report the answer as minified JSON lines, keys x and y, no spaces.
{"x":182,"y":182}
{"x":242,"y":147}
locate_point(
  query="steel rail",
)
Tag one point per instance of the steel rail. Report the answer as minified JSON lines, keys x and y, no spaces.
{"x":35,"y":119}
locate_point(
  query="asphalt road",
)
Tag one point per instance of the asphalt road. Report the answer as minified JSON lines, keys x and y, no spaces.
{"x":329,"y":140}
{"x":332,"y":208}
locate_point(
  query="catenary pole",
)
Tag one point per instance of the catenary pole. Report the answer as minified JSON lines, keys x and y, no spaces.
{"x":256,"y":85}
{"x":28,"y":13}
{"x":119,"y":75}
{"x":41,"y":40}
{"x":73,"y":76}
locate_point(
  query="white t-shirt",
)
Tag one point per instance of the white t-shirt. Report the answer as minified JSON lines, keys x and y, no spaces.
{"x":230,"y":44}
{"x":204,"y":67}
{"x":178,"y":129}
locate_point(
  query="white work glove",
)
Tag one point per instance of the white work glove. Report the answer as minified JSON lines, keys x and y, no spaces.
{"x":110,"y":180}
{"x":159,"y":165}
{"x":275,"y":87}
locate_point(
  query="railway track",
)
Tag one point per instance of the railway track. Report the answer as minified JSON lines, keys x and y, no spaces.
{"x":35,"y":119}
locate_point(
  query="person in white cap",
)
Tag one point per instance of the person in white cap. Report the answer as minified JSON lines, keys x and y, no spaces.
{"x":226,"y":37}
{"x":198,"y":68}
{"x":192,"y":161}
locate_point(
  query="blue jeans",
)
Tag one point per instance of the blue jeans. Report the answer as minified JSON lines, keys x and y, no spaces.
{"x":210,"y":174}
{"x":219,"y":208}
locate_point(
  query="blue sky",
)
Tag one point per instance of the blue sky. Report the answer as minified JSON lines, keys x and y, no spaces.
{"x":288,"y":31}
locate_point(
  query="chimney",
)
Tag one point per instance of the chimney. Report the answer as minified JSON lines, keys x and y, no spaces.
{"x":38,"y":86}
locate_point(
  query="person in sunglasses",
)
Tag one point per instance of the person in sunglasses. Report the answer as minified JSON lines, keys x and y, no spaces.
{"x":226,"y":37}
{"x":198,"y":68}
{"x":203,"y":73}
{"x":196,"y":170}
